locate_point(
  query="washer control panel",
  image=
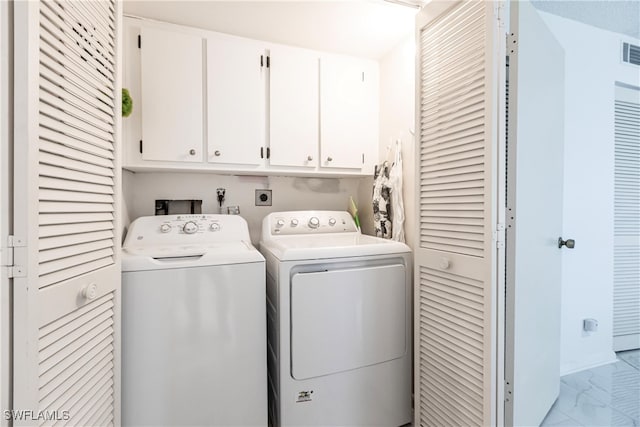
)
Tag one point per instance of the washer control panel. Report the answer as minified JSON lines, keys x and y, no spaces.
{"x":186,"y":229}
{"x":189,"y":224}
{"x":308,"y":222}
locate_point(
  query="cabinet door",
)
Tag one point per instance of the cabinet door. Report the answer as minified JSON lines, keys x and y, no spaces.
{"x":172,"y":97}
{"x":236,"y":71}
{"x":348,"y":111}
{"x":293,"y":102}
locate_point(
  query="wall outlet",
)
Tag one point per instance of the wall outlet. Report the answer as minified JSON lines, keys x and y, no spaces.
{"x":263,"y":197}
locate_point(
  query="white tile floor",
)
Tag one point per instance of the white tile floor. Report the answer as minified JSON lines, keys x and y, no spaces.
{"x":608,"y":395}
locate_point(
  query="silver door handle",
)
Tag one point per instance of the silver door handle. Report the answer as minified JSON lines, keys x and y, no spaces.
{"x":569,"y":243}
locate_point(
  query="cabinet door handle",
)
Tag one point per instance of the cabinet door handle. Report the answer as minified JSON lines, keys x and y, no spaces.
{"x":329,"y":159}
{"x":309,"y":158}
{"x":216,"y":153}
{"x":192,"y":152}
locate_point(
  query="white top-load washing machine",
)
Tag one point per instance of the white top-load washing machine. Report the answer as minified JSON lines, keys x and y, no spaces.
{"x":193,"y":323}
{"x":338,"y":321}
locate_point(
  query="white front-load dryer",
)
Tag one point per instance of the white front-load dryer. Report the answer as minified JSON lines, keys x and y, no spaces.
{"x":339,"y":322}
{"x":193,"y":323}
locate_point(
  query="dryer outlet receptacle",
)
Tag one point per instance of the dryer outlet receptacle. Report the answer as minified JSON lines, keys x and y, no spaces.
{"x":263,"y":197}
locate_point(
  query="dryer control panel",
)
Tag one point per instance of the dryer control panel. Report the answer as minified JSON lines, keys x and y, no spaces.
{"x":308,"y":222}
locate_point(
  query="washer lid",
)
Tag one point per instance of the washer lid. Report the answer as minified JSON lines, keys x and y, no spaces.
{"x":185,"y":256}
{"x":302,"y":247}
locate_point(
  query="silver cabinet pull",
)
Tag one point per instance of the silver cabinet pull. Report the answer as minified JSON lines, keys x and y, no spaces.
{"x":569,"y":243}
{"x":192,"y":152}
{"x":216,"y":153}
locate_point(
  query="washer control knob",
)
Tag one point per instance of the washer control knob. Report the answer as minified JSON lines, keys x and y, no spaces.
{"x":280,"y":223}
{"x":165,"y":228}
{"x":314,"y":222}
{"x":294,"y":222}
{"x":332,"y":221}
{"x":190,"y":227}
{"x":215,"y":226}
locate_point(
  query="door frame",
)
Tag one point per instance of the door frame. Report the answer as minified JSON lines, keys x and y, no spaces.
{"x":6,"y":206}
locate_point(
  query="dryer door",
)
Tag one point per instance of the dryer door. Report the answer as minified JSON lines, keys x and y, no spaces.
{"x":347,"y":319}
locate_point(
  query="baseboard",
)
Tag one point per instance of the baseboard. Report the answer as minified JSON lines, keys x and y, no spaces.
{"x":593,"y":362}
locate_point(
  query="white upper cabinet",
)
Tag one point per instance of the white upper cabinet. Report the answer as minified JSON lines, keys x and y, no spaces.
{"x":348,"y":112}
{"x":236,"y":76}
{"x":171,"y":95}
{"x":216,"y":102}
{"x":293,"y":107}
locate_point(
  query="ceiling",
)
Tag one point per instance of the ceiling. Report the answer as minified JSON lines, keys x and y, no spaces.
{"x":366,"y":28}
{"x":619,"y":16}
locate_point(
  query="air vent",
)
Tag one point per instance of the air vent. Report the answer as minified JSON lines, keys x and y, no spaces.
{"x":631,"y":53}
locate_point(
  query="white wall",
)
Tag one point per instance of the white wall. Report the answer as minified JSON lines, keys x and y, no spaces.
{"x":397,"y":119}
{"x":289,"y":193}
{"x":592,"y":64}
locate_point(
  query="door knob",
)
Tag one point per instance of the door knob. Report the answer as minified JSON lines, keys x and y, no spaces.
{"x":216,"y":153}
{"x":569,"y":243}
{"x":192,"y":152}
{"x":309,"y":158}
{"x":329,"y":159}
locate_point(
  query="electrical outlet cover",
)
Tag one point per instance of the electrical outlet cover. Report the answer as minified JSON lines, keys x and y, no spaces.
{"x":263,"y":197}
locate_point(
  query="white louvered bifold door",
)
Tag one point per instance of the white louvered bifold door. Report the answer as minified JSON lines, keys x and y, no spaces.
{"x":455,"y":258}
{"x":626,"y":258}
{"x":66,"y":191}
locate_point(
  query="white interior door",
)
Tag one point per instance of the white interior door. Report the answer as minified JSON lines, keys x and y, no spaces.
{"x":66,"y":189}
{"x":534,"y":220}
{"x":458,"y":69}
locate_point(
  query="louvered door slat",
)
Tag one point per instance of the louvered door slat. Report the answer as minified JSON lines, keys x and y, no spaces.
{"x":73,"y":381}
{"x":51,"y":170}
{"x":68,"y":251}
{"x":68,"y":29}
{"x":58,"y":51}
{"x":79,"y":52}
{"x":55,"y":101}
{"x":89,"y":29}
{"x":75,"y":165}
{"x":49,"y":74}
{"x":75,"y":154}
{"x":50,"y":82}
{"x":81,"y":124}
{"x":77,"y":186}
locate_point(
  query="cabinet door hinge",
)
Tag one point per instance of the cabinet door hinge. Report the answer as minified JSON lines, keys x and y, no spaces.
{"x":140,"y":146}
{"x":268,"y":61}
{"x":139,"y":41}
{"x":7,"y":255}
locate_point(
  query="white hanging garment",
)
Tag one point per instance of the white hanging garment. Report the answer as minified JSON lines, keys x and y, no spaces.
{"x":382,"y":201}
{"x":397,"y":204}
